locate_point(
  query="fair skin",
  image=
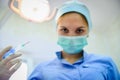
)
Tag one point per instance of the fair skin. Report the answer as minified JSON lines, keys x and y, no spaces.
{"x":72,"y":24}
{"x":8,"y":65}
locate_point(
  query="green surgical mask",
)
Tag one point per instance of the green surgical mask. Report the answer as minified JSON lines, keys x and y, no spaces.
{"x":72,"y":44}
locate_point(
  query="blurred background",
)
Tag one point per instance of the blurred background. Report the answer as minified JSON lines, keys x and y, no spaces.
{"x":103,"y":39}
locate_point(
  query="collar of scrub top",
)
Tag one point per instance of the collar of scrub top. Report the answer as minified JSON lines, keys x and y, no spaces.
{"x":74,"y":6}
{"x":81,"y":60}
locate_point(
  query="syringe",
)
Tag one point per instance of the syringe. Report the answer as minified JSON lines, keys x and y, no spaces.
{"x":14,"y":50}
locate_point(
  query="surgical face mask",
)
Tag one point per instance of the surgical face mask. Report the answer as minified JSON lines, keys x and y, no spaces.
{"x":72,"y":44}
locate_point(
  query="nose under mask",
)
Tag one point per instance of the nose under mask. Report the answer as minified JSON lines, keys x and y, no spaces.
{"x":72,"y":44}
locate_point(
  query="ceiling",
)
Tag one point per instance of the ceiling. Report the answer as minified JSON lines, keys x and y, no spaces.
{"x":103,"y":12}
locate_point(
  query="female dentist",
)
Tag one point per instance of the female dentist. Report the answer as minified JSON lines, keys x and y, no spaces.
{"x":73,"y":63}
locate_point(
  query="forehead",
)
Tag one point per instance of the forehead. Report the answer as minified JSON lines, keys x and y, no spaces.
{"x":72,"y":18}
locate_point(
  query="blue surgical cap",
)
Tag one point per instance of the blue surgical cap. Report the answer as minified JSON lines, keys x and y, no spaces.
{"x":74,"y":6}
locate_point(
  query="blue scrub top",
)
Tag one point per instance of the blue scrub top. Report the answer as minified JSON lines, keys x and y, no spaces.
{"x":89,"y":67}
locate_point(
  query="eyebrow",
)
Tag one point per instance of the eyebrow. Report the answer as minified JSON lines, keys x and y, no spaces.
{"x":62,"y":27}
{"x":82,"y":27}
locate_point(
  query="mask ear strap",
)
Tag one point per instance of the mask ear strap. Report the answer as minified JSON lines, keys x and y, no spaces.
{"x":87,"y":35}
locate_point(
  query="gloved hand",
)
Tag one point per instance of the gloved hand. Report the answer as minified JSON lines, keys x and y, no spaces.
{"x":8,"y":65}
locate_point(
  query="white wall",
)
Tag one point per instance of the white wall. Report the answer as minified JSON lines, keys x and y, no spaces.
{"x":40,"y":35}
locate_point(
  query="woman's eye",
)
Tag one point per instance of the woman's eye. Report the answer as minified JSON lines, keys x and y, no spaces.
{"x":79,"y":31}
{"x":65,"y":30}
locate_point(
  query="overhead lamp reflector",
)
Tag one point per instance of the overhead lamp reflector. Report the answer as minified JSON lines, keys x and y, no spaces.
{"x":35,"y":10}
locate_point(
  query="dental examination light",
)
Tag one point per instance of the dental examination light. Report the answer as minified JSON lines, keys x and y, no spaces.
{"x":32,"y":10}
